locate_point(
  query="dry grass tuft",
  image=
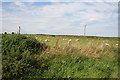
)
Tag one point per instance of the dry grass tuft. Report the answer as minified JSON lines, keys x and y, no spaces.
{"x":92,"y":49}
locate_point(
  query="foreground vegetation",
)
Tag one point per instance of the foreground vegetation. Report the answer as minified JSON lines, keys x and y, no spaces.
{"x":29,"y":56}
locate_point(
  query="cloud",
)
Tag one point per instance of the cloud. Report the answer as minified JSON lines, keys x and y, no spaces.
{"x":63,"y":0}
{"x":19,"y":4}
{"x":65,"y":18}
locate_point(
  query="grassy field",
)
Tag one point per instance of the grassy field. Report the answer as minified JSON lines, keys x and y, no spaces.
{"x":88,"y":57}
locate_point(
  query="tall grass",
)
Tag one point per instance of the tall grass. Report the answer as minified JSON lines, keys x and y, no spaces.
{"x":90,"y":61}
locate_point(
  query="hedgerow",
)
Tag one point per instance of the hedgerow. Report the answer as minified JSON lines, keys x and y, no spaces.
{"x":18,"y":54}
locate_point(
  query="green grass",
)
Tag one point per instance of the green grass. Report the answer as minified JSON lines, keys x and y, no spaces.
{"x":86,"y":58}
{"x":89,"y":57}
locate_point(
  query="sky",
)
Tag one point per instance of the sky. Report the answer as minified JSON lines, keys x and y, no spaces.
{"x":61,"y":0}
{"x":100,"y":18}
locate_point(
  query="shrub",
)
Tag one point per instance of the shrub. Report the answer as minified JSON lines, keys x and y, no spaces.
{"x":19,"y":44}
{"x":13,"y":33}
{"x":5,"y":33}
{"x":18,"y":54}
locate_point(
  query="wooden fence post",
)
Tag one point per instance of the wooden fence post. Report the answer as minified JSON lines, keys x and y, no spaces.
{"x":19,"y":30}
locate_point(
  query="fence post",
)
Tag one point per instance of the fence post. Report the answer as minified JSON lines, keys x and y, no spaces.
{"x":19,"y":30}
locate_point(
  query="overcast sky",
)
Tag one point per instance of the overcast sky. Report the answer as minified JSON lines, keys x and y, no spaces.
{"x":101,"y":18}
